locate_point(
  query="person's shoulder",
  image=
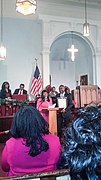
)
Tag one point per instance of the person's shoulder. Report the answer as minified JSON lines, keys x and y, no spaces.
{"x":52,"y":137}
{"x":39,"y":99}
{"x":13,"y":140}
{"x":25,"y":91}
{"x":10,"y":141}
{"x":58,"y":94}
{"x":68,"y":94}
{"x":17,"y":89}
{"x":2,"y":90}
{"x":53,"y":140}
{"x":14,"y":143}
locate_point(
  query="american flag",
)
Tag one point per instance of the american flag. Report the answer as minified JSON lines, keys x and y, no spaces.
{"x":36,"y":82}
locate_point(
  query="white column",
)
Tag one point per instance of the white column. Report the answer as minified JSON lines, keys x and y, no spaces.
{"x":99,"y":39}
{"x":98,"y":57}
{"x":98,"y":68}
{"x":45,"y":68}
{"x":45,"y":52}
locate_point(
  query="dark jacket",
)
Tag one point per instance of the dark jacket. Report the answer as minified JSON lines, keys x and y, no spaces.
{"x":3,"y":94}
{"x":17,"y":91}
{"x":69,"y":101}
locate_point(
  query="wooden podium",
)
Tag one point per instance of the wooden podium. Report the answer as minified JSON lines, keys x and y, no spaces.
{"x":53,"y":120}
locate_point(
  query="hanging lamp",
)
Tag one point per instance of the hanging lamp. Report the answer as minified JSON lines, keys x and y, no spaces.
{"x":86,"y":25}
{"x":26,"y":7}
{"x":2,"y":48}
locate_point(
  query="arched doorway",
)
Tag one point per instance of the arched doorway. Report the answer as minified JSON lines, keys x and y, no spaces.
{"x":62,"y":69}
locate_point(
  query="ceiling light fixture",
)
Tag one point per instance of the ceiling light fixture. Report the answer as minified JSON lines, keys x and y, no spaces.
{"x":2,"y":48}
{"x":26,"y":7}
{"x":86,"y":26}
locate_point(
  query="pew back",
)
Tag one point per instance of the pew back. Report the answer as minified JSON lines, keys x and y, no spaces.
{"x":62,"y":174}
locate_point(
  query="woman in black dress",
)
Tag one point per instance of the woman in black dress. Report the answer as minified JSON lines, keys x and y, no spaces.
{"x":5,"y":91}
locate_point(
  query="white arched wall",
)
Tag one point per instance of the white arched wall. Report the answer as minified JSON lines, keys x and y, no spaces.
{"x":93,"y":57}
{"x":63,"y":70}
{"x":54,"y":27}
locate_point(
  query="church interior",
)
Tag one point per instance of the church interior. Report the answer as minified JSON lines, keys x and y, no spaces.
{"x":47,"y":35}
{"x":54,"y":35}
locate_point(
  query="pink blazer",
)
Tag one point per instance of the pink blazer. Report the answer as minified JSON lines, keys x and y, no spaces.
{"x":41,"y":105}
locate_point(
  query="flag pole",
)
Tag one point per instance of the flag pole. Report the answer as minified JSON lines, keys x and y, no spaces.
{"x":36,"y":59}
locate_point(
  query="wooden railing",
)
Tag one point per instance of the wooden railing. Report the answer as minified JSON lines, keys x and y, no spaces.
{"x":11,"y":108}
{"x":83,"y":95}
{"x":62,"y":174}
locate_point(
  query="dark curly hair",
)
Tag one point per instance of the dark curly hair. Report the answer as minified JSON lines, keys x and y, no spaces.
{"x":82,"y":145}
{"x":31,"y":126}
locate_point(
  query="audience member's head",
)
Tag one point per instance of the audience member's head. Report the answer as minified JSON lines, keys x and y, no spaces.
{"x":82,"y":145}
{"x":30,"y":125}
{"x":45,"y":95}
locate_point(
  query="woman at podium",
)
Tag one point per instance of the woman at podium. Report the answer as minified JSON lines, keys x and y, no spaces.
{"x":43,"y":103}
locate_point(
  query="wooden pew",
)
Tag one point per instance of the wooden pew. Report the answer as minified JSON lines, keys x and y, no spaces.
{"x":62,"y":174}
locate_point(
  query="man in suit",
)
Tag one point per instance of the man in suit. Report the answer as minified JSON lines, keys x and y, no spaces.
{"x":63,"y":116}
{"x":20,"y":90}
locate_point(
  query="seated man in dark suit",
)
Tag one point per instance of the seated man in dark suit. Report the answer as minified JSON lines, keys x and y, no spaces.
{"x":63,"y":116}
{"x":20,"y":90}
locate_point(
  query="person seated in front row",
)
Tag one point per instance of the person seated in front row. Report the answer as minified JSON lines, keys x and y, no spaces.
{"x":5,"y":91}
{"x":31,"y":148}
{"x":20,"y":90}
{"x":82,"y":145}
{"x":43,"y":103}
